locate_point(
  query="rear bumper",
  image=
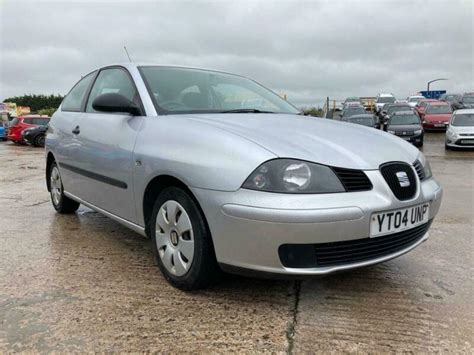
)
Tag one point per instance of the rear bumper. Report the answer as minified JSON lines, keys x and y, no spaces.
{"x":435,"y":126}
{"x":249,"y":227}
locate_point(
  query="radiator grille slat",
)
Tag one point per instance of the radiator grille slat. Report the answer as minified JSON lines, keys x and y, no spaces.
{"x":353,"y":180}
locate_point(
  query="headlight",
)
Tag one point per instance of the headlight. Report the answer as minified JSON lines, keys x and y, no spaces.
{"x":426,"y":165}
{"x":391,"y":132}
{"x":418,"y":131}
{"x":293,"y":176}
{"x":451,"y":133}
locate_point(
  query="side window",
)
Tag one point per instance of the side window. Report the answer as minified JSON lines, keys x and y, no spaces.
{"x":28,"y":120}
{"x":113,"y":80}
{"x":75,"y":98}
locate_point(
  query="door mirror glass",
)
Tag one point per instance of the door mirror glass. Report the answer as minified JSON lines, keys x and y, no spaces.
{"x":113,"y":102}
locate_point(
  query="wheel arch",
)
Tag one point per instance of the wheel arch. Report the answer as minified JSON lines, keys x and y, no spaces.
{"x":49,"y":161}
{"x":154,"y":187}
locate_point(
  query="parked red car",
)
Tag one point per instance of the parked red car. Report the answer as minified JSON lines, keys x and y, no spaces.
{"x":420,"y":107}
{"x":436,"y":115}
{"x":18,"y":124}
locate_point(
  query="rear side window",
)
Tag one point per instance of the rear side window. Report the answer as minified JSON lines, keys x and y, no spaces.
{"x":41,"y":121}
{"x":75,"y":98}
{"x":14,"y":122}
{"x":28,"y":120}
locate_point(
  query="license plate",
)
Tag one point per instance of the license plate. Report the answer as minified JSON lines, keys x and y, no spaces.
{"x":439,"y":125}
{"x":467,"y":141}
{"x":389,"y":222}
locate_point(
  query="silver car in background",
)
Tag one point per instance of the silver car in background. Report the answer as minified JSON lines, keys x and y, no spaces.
{"x":223,"y":174}
{"x":460,"y":131}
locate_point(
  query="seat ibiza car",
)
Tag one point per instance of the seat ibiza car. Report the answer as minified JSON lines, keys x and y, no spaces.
{"x":223,"y":174}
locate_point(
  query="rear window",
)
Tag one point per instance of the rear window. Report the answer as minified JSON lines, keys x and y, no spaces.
{"x":74,"y":100}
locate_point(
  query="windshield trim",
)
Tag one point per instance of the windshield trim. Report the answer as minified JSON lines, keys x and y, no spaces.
{"x":162,"y":111}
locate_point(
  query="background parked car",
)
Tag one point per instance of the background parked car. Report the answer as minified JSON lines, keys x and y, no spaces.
{"x":460,"y":132}
{"x":449,"y":98}
{"x":351,"y":111}
{"x":18,"y":124}
{"x":406,"y":125}
{"x":464,"y":101}
{"x":366,"y":119}
{"x":383,"y":99}
{"x":352,"y":101}
{"x":391,"y":109}
{"x":414,"y":99}
{"x":35,"y":136}
{"x":421,"y":105}
{"x":436,"y":116}
{"x":3,"y":134}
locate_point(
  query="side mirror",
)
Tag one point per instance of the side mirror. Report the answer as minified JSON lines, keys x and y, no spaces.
{"x":113,"y":102}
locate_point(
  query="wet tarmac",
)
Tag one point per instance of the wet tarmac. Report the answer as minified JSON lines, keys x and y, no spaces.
{"x":85,"y":283}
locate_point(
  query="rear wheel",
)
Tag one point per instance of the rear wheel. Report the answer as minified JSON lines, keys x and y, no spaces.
{"x":61,"y":203}
{"x":39,"y":140}
{"x":181,"y":241}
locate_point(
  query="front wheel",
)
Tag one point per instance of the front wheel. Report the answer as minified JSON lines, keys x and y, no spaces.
{"x":61,"y":203}
{"x":181,"y":241}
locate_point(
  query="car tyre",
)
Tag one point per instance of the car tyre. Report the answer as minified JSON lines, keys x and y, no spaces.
{"x":61,"y":203}
{"x":181,"y":241}
{"x":39,"y":140}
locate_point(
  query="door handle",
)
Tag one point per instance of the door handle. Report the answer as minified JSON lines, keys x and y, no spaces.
{"x":76,"y":130}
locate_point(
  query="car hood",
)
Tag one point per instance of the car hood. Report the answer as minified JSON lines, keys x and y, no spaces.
{"x":404,"y":128}
{"x":462,"y":129}
{"x":437,"y":117}
{"x":315,"y":139}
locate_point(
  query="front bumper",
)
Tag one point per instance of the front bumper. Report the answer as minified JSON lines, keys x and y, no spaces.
{"x":248,"y":227}
{"x":435,"y":126}
{"x":418,"y":139}
{"x":460,"y":142}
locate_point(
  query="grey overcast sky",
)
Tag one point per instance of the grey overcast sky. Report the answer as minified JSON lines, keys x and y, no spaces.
{"x":308,"y":50}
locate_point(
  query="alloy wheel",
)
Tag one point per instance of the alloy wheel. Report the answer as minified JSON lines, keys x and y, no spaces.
{"x":55,"y":185}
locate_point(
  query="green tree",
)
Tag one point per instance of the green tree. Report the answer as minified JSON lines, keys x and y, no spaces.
{"x":37,"y":102}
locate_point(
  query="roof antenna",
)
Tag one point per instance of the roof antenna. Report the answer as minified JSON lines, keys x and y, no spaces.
{"x":125,"y":47}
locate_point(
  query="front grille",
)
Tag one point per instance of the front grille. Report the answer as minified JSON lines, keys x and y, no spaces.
{"x":420,"y":171}
{"x":406,"y":134}
{"x":465,"y":142}
{"x":353,"y":180}
{"x":349,"y":251}
{"x":397,"y":182}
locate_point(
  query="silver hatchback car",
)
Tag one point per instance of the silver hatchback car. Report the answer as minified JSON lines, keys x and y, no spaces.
{"x":223,"y":174}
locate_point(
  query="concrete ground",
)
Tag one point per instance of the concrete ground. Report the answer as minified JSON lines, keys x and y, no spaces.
{"x":85,"y":283}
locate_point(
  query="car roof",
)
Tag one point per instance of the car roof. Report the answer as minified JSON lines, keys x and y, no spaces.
{"x":439,"y":103}
{"x":130,"y":65}
{"x":385,"y":95}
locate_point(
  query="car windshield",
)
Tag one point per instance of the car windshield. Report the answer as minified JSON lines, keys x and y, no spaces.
{"x":365,"y":121}
{"x":184,"y":90}
{"x":351,"y":111}
{"x":399,"y":120}
{"x":386,"y":100}
{"x":468,"y":99}
{"x":393,"y":109}
{"x":439,"y":109}
{"x":465,"y":119}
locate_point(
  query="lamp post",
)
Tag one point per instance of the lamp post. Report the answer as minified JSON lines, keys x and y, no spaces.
{"x":432,"y":81}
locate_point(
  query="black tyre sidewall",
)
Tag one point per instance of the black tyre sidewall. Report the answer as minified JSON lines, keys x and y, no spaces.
{"x":203,"y":270}
{"x":37,"y":142}
{"x":65,"y":205}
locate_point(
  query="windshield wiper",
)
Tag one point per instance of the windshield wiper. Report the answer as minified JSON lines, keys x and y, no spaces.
{"x":246,"y":110}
